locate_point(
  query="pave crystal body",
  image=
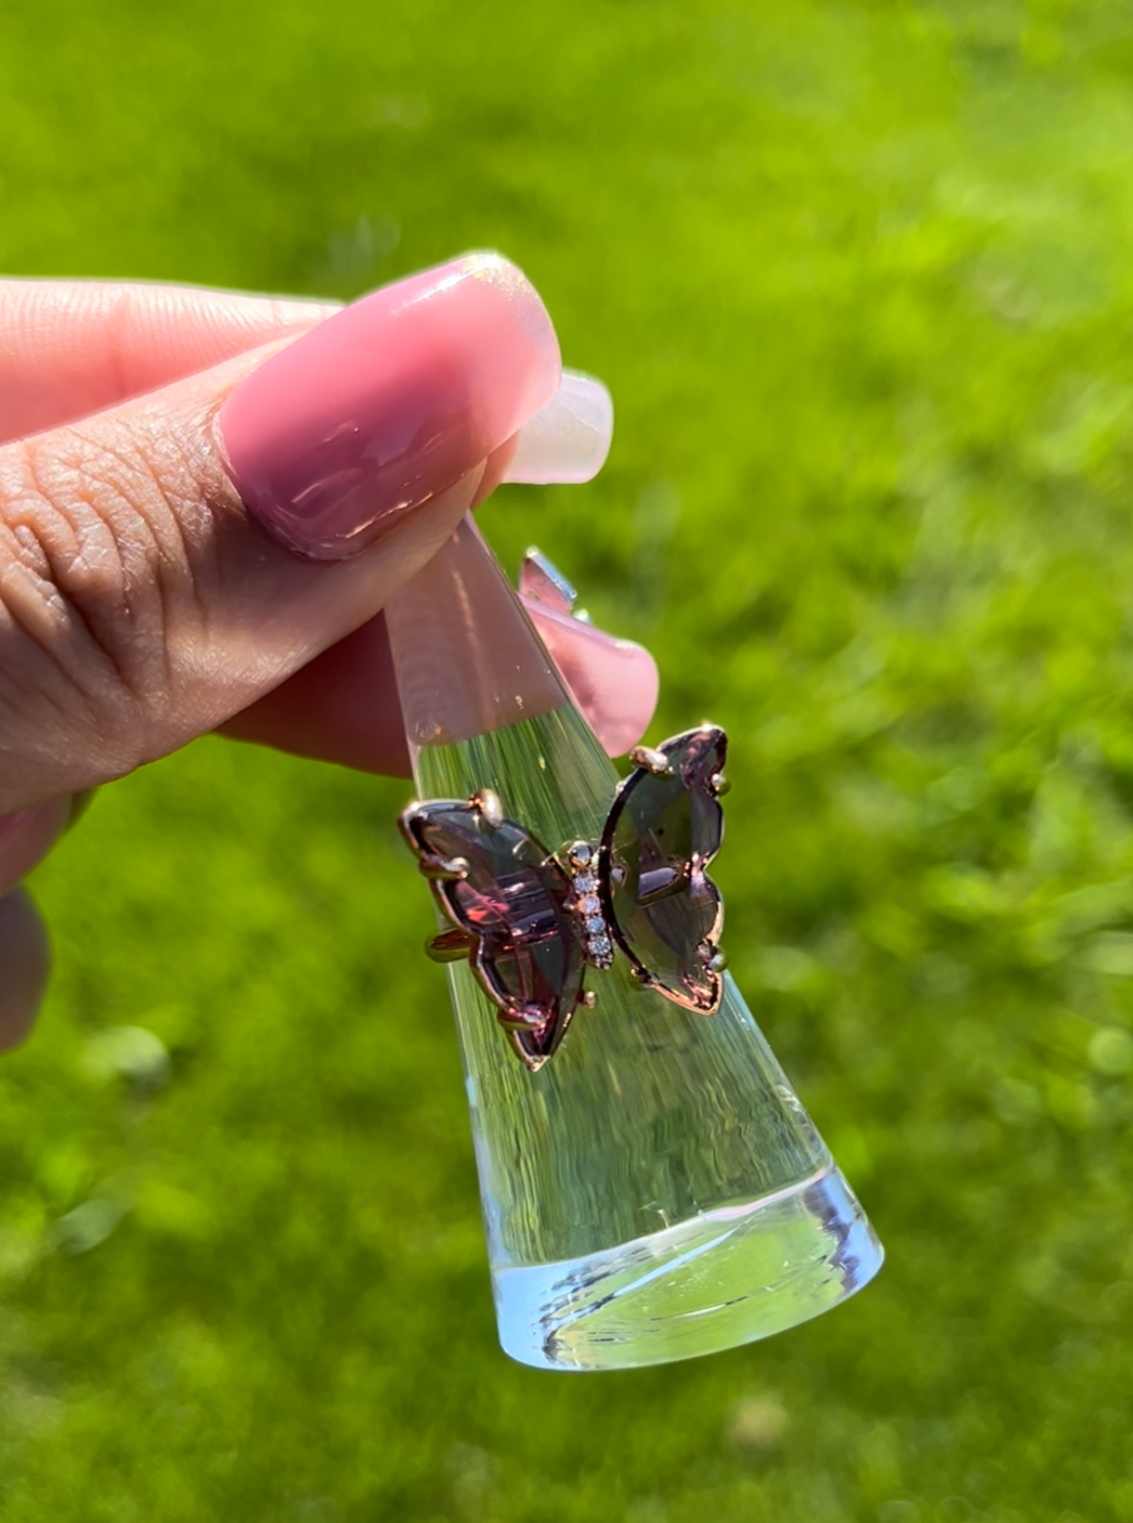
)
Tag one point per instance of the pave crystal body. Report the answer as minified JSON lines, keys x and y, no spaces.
{"x":588,"y":907}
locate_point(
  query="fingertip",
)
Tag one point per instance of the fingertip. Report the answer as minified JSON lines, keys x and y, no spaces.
{"x":339,"y":436}
{"x":615,"y":682}
{"x":70,"y":348}
{"x":342,"y":707}
{"x":569,"y":439}
{"x":27,"y":836}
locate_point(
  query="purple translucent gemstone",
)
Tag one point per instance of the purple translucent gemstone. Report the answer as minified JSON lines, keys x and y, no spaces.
{"x":659,"y":839}
{"x":515,"y":900}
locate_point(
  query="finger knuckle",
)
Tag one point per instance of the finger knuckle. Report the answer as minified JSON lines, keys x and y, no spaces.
{"x":93,"y":573}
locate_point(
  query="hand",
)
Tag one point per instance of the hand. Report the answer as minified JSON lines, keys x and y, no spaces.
{"x":206,"y":499}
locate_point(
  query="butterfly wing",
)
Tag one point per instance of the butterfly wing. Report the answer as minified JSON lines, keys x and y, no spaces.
{"x":496,"y":882}
{"x":665,"y":827}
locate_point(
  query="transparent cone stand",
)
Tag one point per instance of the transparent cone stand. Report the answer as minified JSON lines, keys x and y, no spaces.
{"x":655,"y":1191}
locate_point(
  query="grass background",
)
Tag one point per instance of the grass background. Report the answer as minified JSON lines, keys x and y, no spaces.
{"x":860,"y":277}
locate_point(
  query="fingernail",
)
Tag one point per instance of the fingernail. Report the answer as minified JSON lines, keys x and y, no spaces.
{"x":338,"y":437}
{"x":569,"y":439}
{"x":614,"y":682}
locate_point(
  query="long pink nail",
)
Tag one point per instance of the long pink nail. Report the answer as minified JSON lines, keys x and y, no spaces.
{"x":339,"y":436}
{"x":614,"y":682}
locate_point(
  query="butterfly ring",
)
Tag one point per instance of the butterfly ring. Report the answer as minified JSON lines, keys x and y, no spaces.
{"x":531,"y":922}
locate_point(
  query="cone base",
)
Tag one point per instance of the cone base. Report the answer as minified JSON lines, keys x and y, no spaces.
{"x":724,"y":1278}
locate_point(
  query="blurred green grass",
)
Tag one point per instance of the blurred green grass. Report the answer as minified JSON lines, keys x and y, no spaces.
{"x":859,"y":277}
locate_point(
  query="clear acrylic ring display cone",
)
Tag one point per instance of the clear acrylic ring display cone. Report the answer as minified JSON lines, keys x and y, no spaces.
{"x":655,"y":1191}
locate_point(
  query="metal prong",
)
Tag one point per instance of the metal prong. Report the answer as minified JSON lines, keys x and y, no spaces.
{"x":443,"y":869}
{"x":718,"y":962}
{"x":491,"y":810}
{"x":652,"y":761}
{"x":519,"y":1018}
{"x":640,"y":977}
{"x":531,"y":1063}
{"x":542,"y":581}
{"x":589,"y":999}
{"x":450,"y":946}
{"x":405,"y":821}
{"x":719,"y":784}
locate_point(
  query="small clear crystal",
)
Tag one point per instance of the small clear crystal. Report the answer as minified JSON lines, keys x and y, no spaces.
{"x":595,"y":926}
{"x":600,"y":946}
{"x":589,"y":905}
{"x":586,"y":884}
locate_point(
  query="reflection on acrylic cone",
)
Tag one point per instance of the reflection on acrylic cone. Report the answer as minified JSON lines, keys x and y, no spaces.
{"x":655,"y":1191}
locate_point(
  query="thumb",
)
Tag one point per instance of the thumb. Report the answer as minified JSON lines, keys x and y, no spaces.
{"x":165,"y":563}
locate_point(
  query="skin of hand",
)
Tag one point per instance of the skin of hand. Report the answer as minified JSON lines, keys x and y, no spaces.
{"x":206,"y":499}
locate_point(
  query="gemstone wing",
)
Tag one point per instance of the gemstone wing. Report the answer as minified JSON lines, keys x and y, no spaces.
{"x":665,"y":827}
{"x":495,"y":882}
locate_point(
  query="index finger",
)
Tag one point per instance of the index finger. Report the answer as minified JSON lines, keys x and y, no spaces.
{"x":69,"y":348}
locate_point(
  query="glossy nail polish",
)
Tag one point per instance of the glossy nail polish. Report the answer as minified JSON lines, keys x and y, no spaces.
{"x":568,"y":439}
{"x":340,"y":435}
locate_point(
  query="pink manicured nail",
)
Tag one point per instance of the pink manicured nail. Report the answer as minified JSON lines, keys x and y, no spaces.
{"x":614,"y":682}
{"x":343,"y":433}
{"x":569,"y":439}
